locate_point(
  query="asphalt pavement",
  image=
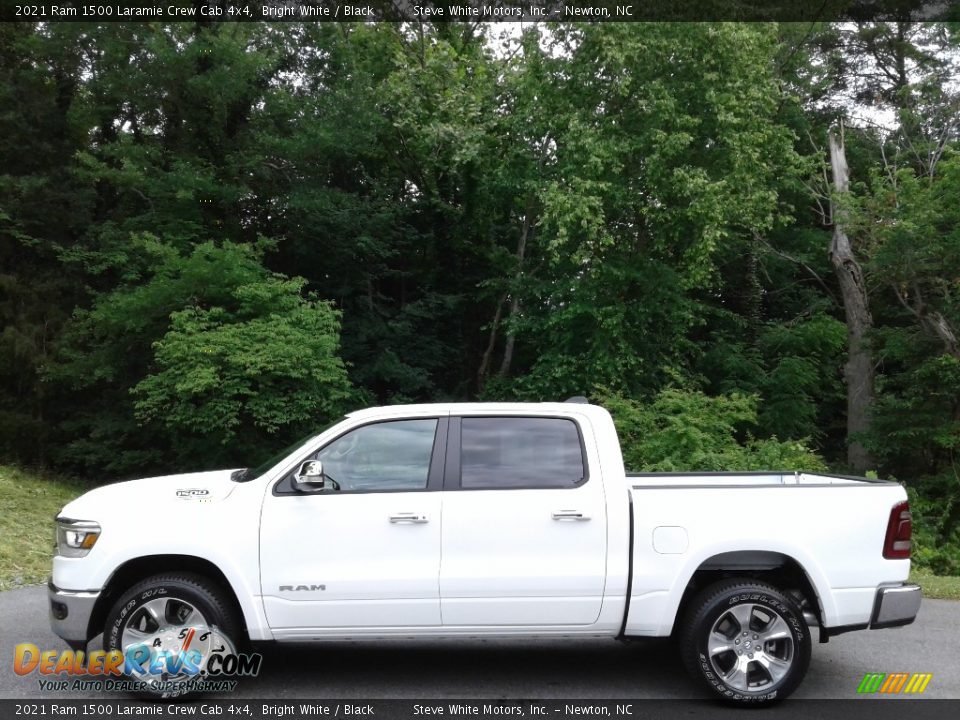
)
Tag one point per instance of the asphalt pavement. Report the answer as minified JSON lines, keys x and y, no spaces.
{"x":528,"y":669}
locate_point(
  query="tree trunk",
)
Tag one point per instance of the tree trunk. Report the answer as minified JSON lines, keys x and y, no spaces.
{"x":931,"y":321}
{"x":515,"y":299}
{"x":511,"y":340}
{"x":491,"y":343}
{"x":941,"y":328}
{"x":753,"y":295}
{"x":858,"y":371}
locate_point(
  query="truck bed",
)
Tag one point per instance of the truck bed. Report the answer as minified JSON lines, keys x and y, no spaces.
{"x":831,"y":526}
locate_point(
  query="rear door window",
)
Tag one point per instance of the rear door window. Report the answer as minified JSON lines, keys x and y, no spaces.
{"x":520,"y":452}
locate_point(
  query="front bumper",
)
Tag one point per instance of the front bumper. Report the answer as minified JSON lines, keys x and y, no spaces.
{"x":895,"y":605}
{"x":70,"y":612}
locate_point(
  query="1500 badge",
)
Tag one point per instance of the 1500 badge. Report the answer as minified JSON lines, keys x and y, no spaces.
{"x":192,"y":492}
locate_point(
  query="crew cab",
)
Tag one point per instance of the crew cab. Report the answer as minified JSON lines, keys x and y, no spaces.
{"x":491,"y":519}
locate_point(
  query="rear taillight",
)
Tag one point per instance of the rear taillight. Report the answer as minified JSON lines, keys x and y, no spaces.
{"x":899,"y":530}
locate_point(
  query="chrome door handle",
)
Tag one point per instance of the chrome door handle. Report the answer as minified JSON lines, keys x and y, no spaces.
{"x":570,"y":515}
{"x":409,"y":517}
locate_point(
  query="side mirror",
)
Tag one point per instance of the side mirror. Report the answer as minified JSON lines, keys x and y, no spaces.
{"x":309,"y":477}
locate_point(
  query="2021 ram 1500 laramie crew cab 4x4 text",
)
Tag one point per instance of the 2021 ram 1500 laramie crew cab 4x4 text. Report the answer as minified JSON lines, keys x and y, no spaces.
{"x":492,"y":520}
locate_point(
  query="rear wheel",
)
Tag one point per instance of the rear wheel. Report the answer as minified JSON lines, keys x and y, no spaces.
{"x":746,"y":641}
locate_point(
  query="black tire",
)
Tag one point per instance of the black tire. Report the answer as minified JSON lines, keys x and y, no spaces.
{"x":774,"y":668}
{"x":203,"y":595}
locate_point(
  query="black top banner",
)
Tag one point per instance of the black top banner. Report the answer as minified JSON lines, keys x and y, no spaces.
{"x":476,"y":10}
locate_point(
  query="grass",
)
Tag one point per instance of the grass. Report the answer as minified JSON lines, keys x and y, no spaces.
{"x":28,"y":503}
{"x":936,"y":586}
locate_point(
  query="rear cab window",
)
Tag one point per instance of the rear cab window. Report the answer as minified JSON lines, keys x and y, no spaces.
{"x":521,"y":452}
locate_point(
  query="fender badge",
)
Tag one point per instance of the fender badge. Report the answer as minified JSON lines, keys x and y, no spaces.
{"x":192,"y":492}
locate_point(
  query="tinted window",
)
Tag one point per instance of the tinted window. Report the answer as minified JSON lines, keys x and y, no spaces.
{"x":520,"y":452}
{"x":383,"y":456}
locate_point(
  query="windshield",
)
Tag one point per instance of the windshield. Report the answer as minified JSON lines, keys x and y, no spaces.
{"x":248,"y":474}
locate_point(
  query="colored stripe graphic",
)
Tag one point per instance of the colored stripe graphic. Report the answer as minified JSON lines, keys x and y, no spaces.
{"x":894,"y":683}
{"x":918,"y":683}
{"x":871,"y":682}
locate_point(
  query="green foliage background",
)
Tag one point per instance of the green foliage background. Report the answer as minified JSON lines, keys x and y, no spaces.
{"x":214,"y":237}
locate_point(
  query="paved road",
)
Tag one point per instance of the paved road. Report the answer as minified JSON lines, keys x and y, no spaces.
{"x":514,"y":669}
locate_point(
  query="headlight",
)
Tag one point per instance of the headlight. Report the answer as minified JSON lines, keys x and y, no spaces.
{"x":75,"y":538}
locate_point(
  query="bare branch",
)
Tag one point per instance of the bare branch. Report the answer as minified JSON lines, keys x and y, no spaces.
{"x":796,"y":261}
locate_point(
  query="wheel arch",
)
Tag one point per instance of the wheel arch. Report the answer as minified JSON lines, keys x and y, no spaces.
{"x":136,"y":569}
{"x":776,"y":568}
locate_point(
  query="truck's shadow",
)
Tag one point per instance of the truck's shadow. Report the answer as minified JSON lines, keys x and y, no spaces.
{"x":472,"y":668}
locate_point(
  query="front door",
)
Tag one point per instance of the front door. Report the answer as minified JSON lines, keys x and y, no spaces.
{"x":365,"y":551}
{"x":524,"y":526}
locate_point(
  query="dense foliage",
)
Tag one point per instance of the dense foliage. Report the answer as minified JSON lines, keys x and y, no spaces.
{"x":214,"y":237}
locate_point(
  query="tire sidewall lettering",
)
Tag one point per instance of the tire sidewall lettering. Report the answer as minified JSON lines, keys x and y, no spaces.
{"x":703,"y":664}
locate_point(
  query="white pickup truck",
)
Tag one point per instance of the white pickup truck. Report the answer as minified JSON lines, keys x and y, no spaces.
{"x":490,"y":520}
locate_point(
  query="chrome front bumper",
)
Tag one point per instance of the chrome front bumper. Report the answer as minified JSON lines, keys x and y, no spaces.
{"x":895,"y":605}
{"x":70,"y":612}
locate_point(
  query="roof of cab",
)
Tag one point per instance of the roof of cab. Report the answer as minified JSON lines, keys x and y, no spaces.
{"x":562,"y":408}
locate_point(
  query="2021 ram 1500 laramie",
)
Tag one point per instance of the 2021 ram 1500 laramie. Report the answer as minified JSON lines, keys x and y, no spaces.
{"x":491,"y":520}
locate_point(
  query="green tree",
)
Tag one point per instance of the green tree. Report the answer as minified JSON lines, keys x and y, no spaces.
{"x":664,"y":147}
{"x":268,"y":364}
{"x":210,"y":356}
{"x":689,"y":431}
{"x":41,"y":207}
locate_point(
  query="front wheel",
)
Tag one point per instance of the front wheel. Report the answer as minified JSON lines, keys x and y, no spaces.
{"x":168,"y":626}
{"x":746,"y":641}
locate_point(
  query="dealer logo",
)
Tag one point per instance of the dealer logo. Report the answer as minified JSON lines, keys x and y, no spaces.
{"x":900,"y":683}
{"x":172,"y":662}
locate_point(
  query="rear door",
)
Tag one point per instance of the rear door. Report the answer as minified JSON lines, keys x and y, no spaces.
{"x":524,"y":525}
